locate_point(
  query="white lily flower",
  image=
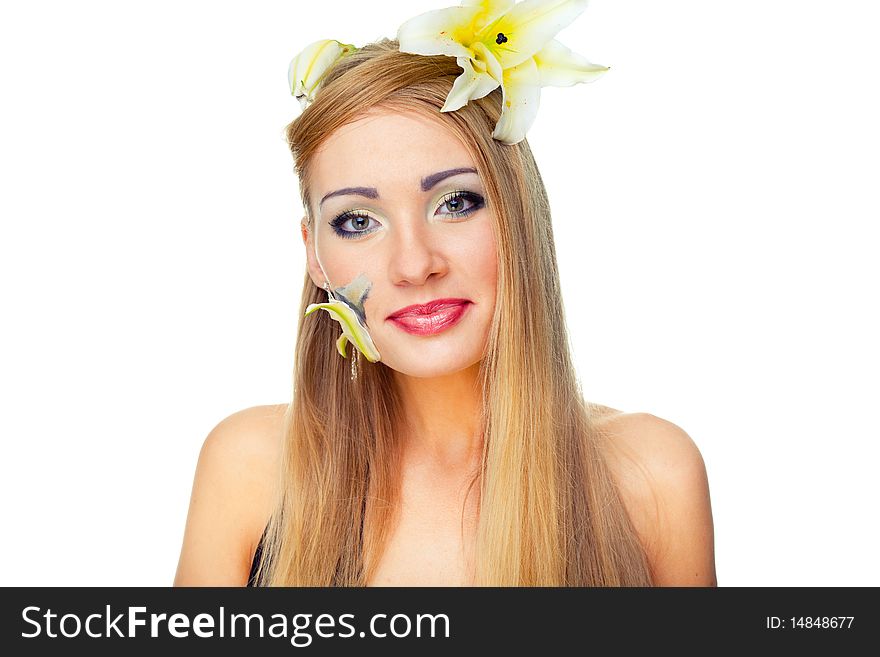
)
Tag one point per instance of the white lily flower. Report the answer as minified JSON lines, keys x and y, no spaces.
{"x":308,"y":68}
{"x":554,"y":65}
{"x":352,"y":329}
{"x":346,"y":306}
{"x":502,"y":43}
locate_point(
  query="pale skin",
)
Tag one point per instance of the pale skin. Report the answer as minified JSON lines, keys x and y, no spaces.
{"x":414,"y":248}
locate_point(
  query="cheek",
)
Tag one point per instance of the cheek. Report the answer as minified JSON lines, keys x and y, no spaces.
{"x":481,"y":258}
{"x":342,"y":265}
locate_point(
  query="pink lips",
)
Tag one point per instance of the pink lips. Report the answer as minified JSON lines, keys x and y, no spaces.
{"x":430,"y":318}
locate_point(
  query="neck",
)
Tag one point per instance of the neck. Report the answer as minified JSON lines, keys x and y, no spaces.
{"x":443,"y":417}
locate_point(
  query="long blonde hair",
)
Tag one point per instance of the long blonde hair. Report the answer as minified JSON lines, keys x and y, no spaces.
{"x":549,"y":511}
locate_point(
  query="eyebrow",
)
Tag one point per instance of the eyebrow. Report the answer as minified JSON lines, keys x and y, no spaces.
{"x":428,"y":182}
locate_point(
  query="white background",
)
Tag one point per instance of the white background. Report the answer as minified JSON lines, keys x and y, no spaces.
{"x":715,"y":205}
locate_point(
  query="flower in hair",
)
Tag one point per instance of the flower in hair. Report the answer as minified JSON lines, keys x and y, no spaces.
{"x":308,"y":68}
{"x":346,"y":306}
{"x":502,"y":43}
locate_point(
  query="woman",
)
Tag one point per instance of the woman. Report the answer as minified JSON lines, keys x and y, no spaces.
{"x":465,"y":454}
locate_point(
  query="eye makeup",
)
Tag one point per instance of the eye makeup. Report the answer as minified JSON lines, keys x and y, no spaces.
{"x":453,"y":202}
{"x":459,"y":204}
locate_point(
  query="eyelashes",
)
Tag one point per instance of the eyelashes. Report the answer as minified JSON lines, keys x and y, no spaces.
{"x":360,"y":223}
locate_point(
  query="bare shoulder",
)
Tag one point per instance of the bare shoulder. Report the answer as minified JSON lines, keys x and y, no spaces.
{"x":232,"y":495}
{"x":662,"y":479}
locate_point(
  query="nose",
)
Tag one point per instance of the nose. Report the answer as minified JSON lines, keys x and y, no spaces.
{"x":415,"y":255}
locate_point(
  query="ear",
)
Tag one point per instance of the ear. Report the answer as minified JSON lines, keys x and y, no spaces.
{"x":311,"y":259}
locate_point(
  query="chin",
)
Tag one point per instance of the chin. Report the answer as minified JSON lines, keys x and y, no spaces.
{"x":427,"y":362}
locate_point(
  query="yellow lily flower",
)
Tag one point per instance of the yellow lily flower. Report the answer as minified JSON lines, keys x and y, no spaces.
{"x":502,"y":43}
{"x":308,"y":68}
{"x":348,"y":310}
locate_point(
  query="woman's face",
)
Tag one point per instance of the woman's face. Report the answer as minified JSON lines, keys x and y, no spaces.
{"x":396,"y":197}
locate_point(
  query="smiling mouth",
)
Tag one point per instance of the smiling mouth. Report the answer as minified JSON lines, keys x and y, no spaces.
{"x":428,"y":308}
{"x":430,"y":318}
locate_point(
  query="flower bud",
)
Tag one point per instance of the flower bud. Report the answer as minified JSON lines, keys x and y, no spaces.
{"x":308,"y":68}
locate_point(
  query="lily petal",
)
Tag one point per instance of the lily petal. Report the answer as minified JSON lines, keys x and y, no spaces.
{"x":486,"y":56}
{"x":527,"y":28}
{"x":439,"y":32}
{"x":522,"y":95}
{"x":558,"y":66}
{"x":352,"y":329}
{"x":491,"y":10}
{"x":308,"y":68}
{"x":480,"y":77}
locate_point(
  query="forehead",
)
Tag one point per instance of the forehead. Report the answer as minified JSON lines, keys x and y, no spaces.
{"x":386,"y":150}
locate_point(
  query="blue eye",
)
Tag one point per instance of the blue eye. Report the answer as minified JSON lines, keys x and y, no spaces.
{"x":353,"y":224}
{"x":456,"y":204}
{"x":360,"y":224}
